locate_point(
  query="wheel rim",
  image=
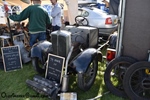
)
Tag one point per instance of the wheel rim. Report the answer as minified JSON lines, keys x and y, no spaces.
{"x":88,"y":75}
{"x":117,"y":73}
{"x":139,"y":83}
{"x":114,"y":74}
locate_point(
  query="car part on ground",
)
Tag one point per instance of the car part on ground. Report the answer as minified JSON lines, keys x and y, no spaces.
{"x":136,"y":81}
{"x":44,"y":86}
{"x":110,"y":54}
{"x":114,"y":73}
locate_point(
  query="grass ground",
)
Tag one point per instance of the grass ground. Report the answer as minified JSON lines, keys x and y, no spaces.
{"x":14,"y":87}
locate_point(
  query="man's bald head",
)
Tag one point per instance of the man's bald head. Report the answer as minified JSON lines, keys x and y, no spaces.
{"x":36,"y":1}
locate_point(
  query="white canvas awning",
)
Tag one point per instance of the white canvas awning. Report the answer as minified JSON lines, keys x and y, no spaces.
{"x":72,"y":10}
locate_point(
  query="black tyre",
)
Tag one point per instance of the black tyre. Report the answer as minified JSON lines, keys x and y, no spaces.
{"x":137,"y":81}
{"x":40,"y":67}
{"x":86,"y":80}
{"x":114,"y":73}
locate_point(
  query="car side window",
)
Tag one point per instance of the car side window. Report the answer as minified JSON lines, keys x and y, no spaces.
{"x":83,"y":13}
{"x":79,"y":12}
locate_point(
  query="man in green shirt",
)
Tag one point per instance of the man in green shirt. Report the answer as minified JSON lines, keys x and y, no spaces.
{"x":38,"y":20}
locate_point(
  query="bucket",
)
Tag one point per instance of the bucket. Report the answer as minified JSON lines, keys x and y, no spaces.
{"x":68,"y":96}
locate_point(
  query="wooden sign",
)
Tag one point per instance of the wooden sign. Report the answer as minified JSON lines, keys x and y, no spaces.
{"x":11,"y":58}
{"x":54,"y":69}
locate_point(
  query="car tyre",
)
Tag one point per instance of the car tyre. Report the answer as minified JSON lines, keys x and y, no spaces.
{"x":137,"y":82}
{"x":86,"y":80}
{"x":114,"y":73}
{"x":38,"y":66}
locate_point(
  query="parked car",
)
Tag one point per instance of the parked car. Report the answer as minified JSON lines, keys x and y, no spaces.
{"x":13,"y":9}
{"x":92,"y":16}
{"x":86,"y":1}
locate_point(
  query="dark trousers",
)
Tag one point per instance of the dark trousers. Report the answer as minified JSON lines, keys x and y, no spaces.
{"x":55,"y":28}
{"x":40,"y":36}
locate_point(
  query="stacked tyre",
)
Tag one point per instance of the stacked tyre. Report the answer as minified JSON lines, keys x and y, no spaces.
{"x":127,"y":77}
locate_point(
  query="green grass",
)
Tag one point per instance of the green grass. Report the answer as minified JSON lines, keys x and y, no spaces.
{"x":14,"y":84}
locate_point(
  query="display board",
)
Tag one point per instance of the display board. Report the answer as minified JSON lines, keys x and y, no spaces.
{"x":11,"y":58}
{"x":54,"y":69}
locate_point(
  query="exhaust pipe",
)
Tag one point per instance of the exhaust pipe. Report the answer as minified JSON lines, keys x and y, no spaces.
{"x":65,"y":80}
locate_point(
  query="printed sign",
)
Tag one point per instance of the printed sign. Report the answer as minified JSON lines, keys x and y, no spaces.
{"x":54,"y":68}
{"x":11,"y":58}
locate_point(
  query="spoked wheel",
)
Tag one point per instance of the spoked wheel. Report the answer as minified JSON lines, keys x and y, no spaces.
{"x":86,"y":80}
{"x":137,"y":81}
{"x":114,"y":74}
{"x":39,"y":66}
{"x":80,"y":20}
{"x":15,"y":8}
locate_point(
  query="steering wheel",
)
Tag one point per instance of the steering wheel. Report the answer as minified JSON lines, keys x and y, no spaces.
{"x":80,"y":20}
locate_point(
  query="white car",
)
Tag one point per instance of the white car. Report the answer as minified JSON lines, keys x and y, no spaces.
{"x":86,"y":1}
{"x":92,"y":16}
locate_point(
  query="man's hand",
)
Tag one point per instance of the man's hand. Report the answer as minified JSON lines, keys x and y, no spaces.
{"x":6,"y":15}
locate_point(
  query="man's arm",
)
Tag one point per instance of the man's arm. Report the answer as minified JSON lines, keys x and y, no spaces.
{"x":55,"y":12}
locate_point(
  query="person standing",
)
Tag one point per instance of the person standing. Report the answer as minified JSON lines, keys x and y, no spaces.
{"x":114,"y":7}
{"x":38,"y":20}
{"x":56,"y":15}
{"x":103,"y":5}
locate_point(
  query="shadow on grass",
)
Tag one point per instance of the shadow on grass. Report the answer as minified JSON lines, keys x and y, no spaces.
{"x":14,"y":82}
